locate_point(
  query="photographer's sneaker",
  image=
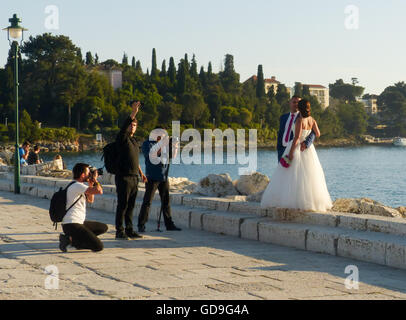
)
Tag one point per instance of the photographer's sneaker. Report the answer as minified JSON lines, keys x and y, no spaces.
{"x":64,"y":241}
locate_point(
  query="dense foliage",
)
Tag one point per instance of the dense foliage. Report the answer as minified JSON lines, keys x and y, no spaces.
{"x":62,"y":90}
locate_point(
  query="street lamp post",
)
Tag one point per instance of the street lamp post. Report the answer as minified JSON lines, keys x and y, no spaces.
{"x":15,"y":32}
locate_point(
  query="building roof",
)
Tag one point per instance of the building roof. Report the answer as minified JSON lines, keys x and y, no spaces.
{"x":272,"y":80}
{"x":318,"y":86}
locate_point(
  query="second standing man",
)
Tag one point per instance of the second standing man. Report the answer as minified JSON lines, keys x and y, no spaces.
{"x":128,"y":175}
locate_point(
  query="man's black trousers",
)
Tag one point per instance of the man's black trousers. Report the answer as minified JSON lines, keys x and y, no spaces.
{"x":150,"y":188}
{"x":84,"y":236}
{"x":126,"y":188}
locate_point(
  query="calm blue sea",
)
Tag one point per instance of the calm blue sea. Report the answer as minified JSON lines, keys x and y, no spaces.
{"x":376,"y":172}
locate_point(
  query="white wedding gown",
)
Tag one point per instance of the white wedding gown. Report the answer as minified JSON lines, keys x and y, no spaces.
{"x":302,"y":185}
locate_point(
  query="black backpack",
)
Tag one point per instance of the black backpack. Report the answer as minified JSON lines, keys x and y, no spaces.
{"x":110,"y":156}
{"x":57,"y":208}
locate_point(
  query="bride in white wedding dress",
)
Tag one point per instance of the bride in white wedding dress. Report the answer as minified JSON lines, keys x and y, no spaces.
{"x":302,"y":185}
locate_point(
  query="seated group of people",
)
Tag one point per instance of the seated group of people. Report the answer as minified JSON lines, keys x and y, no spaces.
{"x":27,"y":156}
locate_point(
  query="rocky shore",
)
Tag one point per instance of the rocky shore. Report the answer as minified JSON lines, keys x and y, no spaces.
{"x":248,"y":188}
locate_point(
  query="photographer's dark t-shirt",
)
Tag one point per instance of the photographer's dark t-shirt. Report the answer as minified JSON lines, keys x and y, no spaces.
{"x":128,"y":152}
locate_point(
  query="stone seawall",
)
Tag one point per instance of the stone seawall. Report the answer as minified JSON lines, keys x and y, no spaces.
{"x":368,"y":238}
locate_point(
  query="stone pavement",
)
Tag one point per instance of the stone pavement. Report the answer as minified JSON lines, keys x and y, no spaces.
{"x":190,"y":264}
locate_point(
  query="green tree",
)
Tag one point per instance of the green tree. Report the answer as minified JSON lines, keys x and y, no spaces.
{"x":163,"y":69}
{"x":195,"y":109}
{"x":125,"y":60}
{"x":172,"y":70}
{"x":229,"y":78}
{"x":154,"y":69}
{"x":193,"y":68}
{"x":345,"y":91}
{"x":181,"y":78}
{"x":298,"y":89}
{"x":260,"y":82}
{"x":89,"y":59}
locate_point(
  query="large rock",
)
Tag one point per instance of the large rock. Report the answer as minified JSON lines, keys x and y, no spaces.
{"x":6,"y":156}
{"x":182,"y":185}
{"x":364,"y":206}
{"x":256,"y":197}
{"x":252,"y":184}
{"x":216,"y":185}
{"x":402,"y":211}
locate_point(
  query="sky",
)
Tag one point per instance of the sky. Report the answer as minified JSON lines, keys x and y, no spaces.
{"x":313,"y":41}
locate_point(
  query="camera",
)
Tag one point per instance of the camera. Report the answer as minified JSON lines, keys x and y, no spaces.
{"x":93,"y":170}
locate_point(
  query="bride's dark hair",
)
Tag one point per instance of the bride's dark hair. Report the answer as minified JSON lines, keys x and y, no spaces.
{"x":304,"y":108}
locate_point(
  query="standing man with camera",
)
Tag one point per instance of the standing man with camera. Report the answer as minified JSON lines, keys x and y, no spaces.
{"x":158,"y":152}
{"x":128,"y":175}
{"x":79,"y":233}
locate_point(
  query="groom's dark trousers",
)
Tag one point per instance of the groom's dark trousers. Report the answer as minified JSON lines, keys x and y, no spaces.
{"x":282,"y":123}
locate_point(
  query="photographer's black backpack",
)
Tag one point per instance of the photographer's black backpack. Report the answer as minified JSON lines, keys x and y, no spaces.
{"x":57,"y":208}
{"x":110,"y":156}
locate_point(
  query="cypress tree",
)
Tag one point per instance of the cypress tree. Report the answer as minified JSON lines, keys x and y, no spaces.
{"x":89,"y":58}
{"x":96,"y":59}
{"x":260,"y":82}
{"x":298,"y":89}
{"x":125,"y":59}
{"x":172,"y":70}
{"x":209,"y":70}
{"x":138,"y":66}
{"x":202,"y":77}
{"x":133,"y":62}
{"x":181,"y":78}
{"x":187,"y":66}
{"x":193,"y":68}
{"x":154,"y":70}
{"x":306,"y":91}
{"x":163,"y":69}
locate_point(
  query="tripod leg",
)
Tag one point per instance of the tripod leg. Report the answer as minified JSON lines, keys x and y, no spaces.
{"x":159,"y":220}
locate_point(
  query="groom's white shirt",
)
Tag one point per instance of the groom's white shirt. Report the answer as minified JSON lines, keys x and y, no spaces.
{"x":287,"y":127}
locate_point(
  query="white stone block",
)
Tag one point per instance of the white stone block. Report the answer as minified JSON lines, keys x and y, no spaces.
{"x":396,"y":255}
{"x":322,"y":240}
{"x":387,"y":225}
{"x":181,"y":216}
{"x":313,"y":218}
{"x":244,"y":207}
{"x":284,"y":234}
{"x":196,"y":218}
{"x":176,"y":198}
{"x":249,"y":228}
{"x":352,"y":221}
{"x":45,"y":192}
{"x":5,"y":185}
{"x":367,"y":248}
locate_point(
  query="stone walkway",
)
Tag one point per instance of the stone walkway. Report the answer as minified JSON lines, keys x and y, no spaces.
{"x":184,"y":265}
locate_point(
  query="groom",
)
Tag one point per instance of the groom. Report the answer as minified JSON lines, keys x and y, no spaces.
{"x":286,"y":131}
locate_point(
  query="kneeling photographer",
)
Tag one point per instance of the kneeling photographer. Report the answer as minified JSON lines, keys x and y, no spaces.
{"x":80,"y":233}
{"x":157,"y":153}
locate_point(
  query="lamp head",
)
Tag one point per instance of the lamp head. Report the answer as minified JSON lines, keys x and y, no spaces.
{"x":15,"y":31}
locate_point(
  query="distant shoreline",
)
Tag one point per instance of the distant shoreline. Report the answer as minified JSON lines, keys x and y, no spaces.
{"x":97,"y":146}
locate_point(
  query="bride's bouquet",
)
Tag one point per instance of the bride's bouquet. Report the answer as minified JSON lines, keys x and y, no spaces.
{"x":285,"y":162}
